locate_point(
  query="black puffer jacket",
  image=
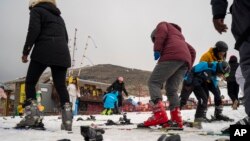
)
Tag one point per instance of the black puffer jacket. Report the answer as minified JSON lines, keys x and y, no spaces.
{"x":233,"y":62}
{"x":48,"y":34}
{"x":117,"y":86}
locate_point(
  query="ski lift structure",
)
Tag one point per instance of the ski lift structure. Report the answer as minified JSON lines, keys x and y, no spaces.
{"x":74,"y":49}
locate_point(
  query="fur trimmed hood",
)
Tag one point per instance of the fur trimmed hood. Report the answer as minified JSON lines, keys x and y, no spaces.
{"x":33,"y":3}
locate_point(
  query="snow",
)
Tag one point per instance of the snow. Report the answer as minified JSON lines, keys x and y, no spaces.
{"x":115,"y":133}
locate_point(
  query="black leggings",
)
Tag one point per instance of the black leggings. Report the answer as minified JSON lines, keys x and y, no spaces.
{"x":36,"y":69}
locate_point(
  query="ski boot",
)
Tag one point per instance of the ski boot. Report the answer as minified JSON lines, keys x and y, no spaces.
{"x":33,"y":117}
{"x":67,"y":117}
{"x":165,"y":137}
{"x":219,"y":116}
{"x":159,"y":116}
{"x":176,"y":122}
{"x":92,"y":134}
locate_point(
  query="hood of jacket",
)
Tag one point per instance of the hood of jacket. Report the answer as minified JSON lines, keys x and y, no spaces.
{"x":50,"y":7}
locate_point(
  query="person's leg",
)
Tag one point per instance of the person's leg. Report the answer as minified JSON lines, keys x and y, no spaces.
{"x":235,"y":91}
{"x":231,"y":91}
{"x":35,"y":70}
{"x":185,"y":93}
{"x":172,"y":86}
{"x":161,"y":73}
{"x":32,"y":114}
{"x":245,"y":68}
{"x":59,"y":79}
{"x":202,"y":97}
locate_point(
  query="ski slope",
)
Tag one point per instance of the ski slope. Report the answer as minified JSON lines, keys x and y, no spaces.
{"x":114,"y":133}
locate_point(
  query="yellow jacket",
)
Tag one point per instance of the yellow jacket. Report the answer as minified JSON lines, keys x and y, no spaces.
{"x":209,"y":56}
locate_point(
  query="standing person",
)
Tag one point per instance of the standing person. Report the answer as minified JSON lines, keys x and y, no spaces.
{"x":73,"y":94}
{"x":240,"y":28}
{"x":47,"y":33}
{"x":2,"y":93}
{"x":119,"y":86}
{"x":232,"y":85}
{"x":216,"y":53}
{"x":175,"y":56}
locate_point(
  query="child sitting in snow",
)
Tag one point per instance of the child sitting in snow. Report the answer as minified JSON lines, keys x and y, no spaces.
{"x":109,"y":100}
{"x":196,"y":80}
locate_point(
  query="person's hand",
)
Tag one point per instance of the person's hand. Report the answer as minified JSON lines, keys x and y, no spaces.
{"x":157,"y":55}
{"x":219,"y":25}
{"x":25,"y":58}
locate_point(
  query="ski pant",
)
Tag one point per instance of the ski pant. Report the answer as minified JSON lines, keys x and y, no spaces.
{"x":245,"y":69}
{"x":215,"y":91}
{"x":73,"y":101}
{"x":233,"y":90}
{"x":120,"y":99}
{"x":36,"y":69}
{"x":185,"y":93}
{"x":201,"y":93}
{"x":171,"y":72}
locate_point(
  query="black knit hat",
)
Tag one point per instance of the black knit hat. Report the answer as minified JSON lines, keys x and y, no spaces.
{"x":221,"y":46}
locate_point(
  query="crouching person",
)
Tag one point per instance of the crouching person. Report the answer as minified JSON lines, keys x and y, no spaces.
{"x":110,"y":100}
{"x":197,"y":80}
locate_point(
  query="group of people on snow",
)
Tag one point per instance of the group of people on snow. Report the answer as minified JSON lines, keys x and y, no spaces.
{"x":176,"y":57}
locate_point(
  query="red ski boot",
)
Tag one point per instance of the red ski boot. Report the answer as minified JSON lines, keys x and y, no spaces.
{"x":160,"y":116}
{"x":176,"y":119}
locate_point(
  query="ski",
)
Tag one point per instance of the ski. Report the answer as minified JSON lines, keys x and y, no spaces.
{"x":223,"y":139}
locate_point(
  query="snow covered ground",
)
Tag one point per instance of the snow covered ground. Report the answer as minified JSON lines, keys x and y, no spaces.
{"x":114,"y":133}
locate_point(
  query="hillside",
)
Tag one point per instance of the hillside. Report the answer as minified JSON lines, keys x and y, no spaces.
{"x":135,"y":80}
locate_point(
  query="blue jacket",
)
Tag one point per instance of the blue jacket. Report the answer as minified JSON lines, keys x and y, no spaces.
{"x":202,"y":72}
{"x":110,"y":99}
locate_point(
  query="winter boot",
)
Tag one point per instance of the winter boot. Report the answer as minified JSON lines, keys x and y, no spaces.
{"x":159,"y":117}
{"x":201,"y":116}
{"x":104,"y":112}
{"x":67,"y":117}
{"x":109,"y":112}
{"x":33,"y":118}
{"x":218,"y":114}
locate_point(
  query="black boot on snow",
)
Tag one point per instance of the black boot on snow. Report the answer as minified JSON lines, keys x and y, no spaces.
{"x":219,"y":116}
{"x":92,"y":134}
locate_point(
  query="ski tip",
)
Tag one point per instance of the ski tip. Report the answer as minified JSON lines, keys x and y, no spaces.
{"x":141,"y":125}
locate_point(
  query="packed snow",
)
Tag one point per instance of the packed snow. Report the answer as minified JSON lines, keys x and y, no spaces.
{"x":115,"y":133}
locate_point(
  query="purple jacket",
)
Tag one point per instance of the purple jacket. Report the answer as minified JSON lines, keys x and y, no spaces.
{"x":171,"y":44}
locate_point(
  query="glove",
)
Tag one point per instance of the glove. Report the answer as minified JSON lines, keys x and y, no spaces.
{"x":157,"y":55}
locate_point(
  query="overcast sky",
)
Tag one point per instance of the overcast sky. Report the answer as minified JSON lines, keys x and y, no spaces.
{"x":120,"y":29}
